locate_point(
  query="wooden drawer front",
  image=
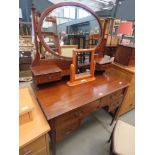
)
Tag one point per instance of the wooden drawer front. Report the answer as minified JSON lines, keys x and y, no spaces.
{"x":116,"y":94}
{"x":48,"y":77}
{"x":67,"y":129}
{"x":34,"y":147}
{"x":65,"y":118}
{"x":43,"y":151}
{"x":107,"y":100}
{"x":77,"y":114}
{"x":115,"y":103}
{"x":88,"y":109}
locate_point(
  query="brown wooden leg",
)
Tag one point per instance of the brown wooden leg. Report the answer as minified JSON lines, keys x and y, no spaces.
{"x":52,"y":135}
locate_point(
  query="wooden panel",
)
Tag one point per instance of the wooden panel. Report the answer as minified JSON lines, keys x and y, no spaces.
{"x":129,"y":100}
{"x":48,"y":78}
{"x":88,"y":109}
{"x":66,"y":129}
{"x":77,"y":114}
{"x":62,"y":119}
{"x":34,"y":146}
{"x":34,"y":129}
{"x":43,"y":151}
{"x":107,"y":100}
{"x":128,"y":74}
{"x":124,"y":55}
{"x":115,"y":103}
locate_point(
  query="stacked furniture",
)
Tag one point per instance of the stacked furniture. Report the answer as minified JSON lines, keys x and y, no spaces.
{"x":33,"y":133}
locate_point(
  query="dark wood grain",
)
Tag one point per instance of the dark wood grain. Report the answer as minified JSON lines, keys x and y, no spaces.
{"x":58,"y":98}
{"x":45,"y":69}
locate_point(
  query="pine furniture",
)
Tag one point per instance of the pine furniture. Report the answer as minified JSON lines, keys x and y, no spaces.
{"x":33,"y":134}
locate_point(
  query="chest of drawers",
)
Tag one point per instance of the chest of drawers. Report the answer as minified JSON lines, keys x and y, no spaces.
{"x":37,"y":147}
{"x":33,"y":135}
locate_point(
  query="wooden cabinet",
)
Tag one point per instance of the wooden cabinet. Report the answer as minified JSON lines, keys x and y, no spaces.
{"x":37,"y":147}
{"x":127,"y":73}
{"x":125,"y":55}
{"x":33,"y":135}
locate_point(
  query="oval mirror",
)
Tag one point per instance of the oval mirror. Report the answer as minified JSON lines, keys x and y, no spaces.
{"x":67,"y":26}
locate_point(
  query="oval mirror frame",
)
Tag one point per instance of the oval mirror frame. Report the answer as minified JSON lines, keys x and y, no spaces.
{"x":53,"y":7}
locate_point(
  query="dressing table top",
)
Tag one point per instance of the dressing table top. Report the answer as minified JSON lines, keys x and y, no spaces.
{"x":57,"y":98}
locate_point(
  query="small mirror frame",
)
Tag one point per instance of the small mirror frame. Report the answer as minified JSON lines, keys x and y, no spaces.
{"x":50,"y":9}
{"x":74,"y":80}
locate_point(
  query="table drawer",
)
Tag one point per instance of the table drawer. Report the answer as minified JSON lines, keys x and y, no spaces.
{"x":67,"y":129}
{"x":77,"y":114}
{"x":107,"y":100}
{"x":67,"y":117}
{"x":34,"y":147}
{"x":48,"y":77}
{"x":115,"y":103}
{"x":88,"y":109}
{"x":116,"y":94}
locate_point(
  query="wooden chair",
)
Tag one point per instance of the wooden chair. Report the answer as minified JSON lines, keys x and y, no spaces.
{"x":123,"y":139}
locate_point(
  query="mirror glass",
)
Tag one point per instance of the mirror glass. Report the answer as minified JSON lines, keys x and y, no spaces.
{"x":70,"y":27}
{"x":83,"y":60}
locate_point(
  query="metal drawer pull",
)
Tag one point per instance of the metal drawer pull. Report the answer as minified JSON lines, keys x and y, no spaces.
{"x":28,"y":152}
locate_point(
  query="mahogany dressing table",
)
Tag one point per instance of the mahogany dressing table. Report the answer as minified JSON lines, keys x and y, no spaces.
{"x":63,"y":106}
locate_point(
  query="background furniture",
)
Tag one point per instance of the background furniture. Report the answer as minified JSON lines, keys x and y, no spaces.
{"x":24,"y":60}
{"x":127,"y":73}
{"x":33,"y":138}
{"x":123,"y":139}
{"x":67,"y":50}
{"x":64,"y":111}
{"x":125,"y":55}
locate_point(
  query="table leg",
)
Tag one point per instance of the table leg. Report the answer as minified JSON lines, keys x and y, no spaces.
{"x":52,"y":135}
